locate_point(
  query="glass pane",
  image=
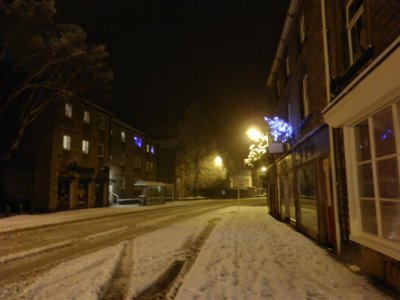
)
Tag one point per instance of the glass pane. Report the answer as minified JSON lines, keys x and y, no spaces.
{"x":365,"y":181}
{"x":368,"y":215}
{"x":391,"y":220}
{"x":388,"y":178}
{"x":307,"y":197}
{"x":363,"y":149}
{"x":354,"y":8}
{"x":384,"y":133}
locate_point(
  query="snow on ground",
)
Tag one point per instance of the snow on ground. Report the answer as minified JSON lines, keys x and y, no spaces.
{"x":249,"y":255}
{"x":83,"y":278}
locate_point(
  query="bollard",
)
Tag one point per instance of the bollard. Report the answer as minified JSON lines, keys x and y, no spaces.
{"x":21,"y":209}
{"x":7,"y":210}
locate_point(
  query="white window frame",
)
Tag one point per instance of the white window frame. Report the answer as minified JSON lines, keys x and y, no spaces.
{"x":66,"y":142}
{"x":68,"y":110}
{"x":85,"y":146}
{"x":305,"y":96}
{"x":123,"y":136}
{"x":373,"y":241}
{"x":86,"y":117}
{"x":350,"y":23}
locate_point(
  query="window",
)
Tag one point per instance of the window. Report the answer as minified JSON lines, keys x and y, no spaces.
{"x":85,"y":146}
{"x":356,"y":32}
{"x":137,"y":141}
{"x":123,"y":136}
{"x":308,"y":196}
{"x":138,"y":163}
{"x":86,"y":117}
{"x":66,"y":142}
{"x":302,"y":29}
{"x":278,"y":88}
{"x":152,"y":150}
{"x":376,"y":155}
{"x":102,"y":123}
{"x":287,"y":66}
{"x":68,"y":110}
{"x":305,"y":110}
{"x":147,"y":148}
{"x":101,"y":150}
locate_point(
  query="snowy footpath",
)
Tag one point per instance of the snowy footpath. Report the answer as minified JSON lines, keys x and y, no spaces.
{"x":247,"y":255}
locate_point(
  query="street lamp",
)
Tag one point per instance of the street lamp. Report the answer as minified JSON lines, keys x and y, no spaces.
{"x":254,"y":134}
{"x":263,"y":169}
{"x":218,"y":161}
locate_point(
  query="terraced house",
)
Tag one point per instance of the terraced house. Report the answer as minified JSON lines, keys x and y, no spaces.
{"x":336,"y":80}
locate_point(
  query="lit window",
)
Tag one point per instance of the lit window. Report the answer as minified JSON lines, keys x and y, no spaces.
{"x":138,"y":141}
{"x":152,"y":150}
{"x":147,"y":148}
{"x":101,"y":150}
{"x":123,"y":136}
{"x":304,"y":97}
{"x":68,"y":110}
{"x":86,"y":117}
{"x":66,"y":142}
{"x":102,"y":123}
{"x":356,"y":31}
{"x":85,"y":146}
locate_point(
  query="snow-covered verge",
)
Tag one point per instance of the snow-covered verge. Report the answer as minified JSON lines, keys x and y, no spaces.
{"x":250,"y":255}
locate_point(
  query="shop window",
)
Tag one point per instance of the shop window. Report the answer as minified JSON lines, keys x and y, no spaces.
{"x":85,"y":146}
{"x":377,"y":174}
{"x":308,"y":196}
{"x":66,"y":142}
{"x":68,"y":110}
{"x":86,"y":117}
{"x":356,"y":31}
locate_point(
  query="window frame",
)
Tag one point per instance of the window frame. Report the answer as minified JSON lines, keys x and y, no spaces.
{"x":66,"y":142}
{"x":350,"y":23}
{"x":68,"y":110}
{"x":85,"y":146}
{"x":305,"y":98}
{"x":86,"y":117}
{"x":375,"y":241}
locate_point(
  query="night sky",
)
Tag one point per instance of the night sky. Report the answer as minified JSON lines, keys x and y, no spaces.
{"x":168,"y":53}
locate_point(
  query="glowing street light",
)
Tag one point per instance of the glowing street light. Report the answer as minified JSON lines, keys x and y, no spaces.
{"x":218,"y":161}
{"x":263,"y":169}
{"x":254,"y":134}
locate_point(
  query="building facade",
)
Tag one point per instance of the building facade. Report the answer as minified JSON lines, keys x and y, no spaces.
{"x":336,"y":80}
{"x":75,"y":155}
{"x":363,"y":54}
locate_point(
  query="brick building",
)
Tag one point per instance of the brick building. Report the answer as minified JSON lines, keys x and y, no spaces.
{"x":363,"y":54}
{"x":336,"y":80}
{"x":298,"y":179}
{"x":133,"y":157}
{"x":73,"y":156}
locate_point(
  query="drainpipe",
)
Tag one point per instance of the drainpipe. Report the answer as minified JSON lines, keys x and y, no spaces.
{"x":331,"y":135}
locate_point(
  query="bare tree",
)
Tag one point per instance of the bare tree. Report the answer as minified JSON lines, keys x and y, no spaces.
{"x":40,"y":63}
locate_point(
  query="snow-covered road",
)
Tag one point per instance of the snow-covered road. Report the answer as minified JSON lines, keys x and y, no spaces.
{"x":228,"y":253}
